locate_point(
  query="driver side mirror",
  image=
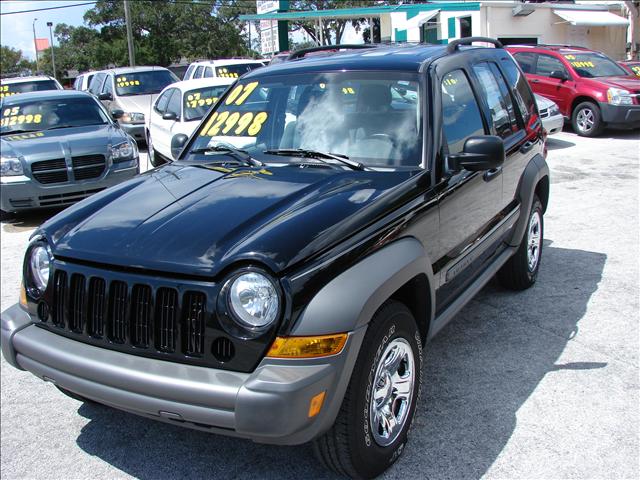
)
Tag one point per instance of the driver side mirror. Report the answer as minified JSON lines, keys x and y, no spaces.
{"x":177,"y":144}
{"x":559,"y":74}
{"x":169,"y":116}
{"x":478,"y":154}
{"x":105,"y":96}
{"x":116,"y":113}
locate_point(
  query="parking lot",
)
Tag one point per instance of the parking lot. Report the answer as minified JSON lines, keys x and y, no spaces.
{"x":538,"y":384}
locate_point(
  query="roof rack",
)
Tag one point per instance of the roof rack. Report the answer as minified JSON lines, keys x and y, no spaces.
{"x":577,"y":47}
{"x":453,"y":46}
{"x":328,"y":48}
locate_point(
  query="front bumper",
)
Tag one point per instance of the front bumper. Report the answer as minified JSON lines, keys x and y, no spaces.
{"x":621,"y":116}
{"x":136,"y":130}
{"x":553,"y":124}
{"x":27,"y":194}
{"x":269,"y":405}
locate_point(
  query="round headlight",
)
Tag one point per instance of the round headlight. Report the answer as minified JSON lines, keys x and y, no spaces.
{"x":253,"y":299}
{"x":39,"y":263}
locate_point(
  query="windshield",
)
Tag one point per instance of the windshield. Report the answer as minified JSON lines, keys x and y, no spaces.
{"x":374,"y":119}
{"x":197,"y":102}
{"x":143,"y":83}
{"x":237,"y":70}
{"x":591,"y":65}
{"x":22,"y":87}
{"x":35,"y":115}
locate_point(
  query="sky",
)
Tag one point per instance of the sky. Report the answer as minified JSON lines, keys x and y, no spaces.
{"x":16,"y":30}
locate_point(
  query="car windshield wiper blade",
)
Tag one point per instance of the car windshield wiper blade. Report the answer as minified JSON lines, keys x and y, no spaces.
{"x":236,"y":153}
{"x":56,"y":127}
{"x":11,"y":132}
{"x":302,"y":152}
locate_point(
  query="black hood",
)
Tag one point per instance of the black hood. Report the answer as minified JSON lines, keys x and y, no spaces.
{"x":197,"y":221}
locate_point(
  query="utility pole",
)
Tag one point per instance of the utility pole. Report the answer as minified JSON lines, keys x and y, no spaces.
{"x":53,"y":55}
{"x":35,"y":43}
{"x":127,"y":19}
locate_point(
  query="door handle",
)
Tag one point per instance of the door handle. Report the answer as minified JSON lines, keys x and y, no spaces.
{"x":491,"y":174}
{"x":526,"y":147}
{"x":535,"y":80}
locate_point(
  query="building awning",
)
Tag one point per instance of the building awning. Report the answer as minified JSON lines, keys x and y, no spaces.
{"x":592,"y":18}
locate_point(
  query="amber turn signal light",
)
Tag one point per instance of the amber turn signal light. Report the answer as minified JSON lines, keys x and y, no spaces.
{"x":23,"y":295}
{"x":316,"y":404}
{"x":307,"y":347}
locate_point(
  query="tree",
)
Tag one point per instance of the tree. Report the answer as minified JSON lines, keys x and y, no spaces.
{"x":13,"y":61}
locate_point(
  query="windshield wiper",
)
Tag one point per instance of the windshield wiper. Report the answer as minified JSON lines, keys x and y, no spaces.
{"x":236,"y":153}
{"x":11,"y":132}
{"x":73,"y":126}
{"x":322,"y":156}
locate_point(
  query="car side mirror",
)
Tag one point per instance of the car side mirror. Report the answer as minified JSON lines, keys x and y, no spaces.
{"x":478,"y":154}
{"x":177,"y":144}
{"x":559,"y":74}
{"x":105,"y":96}
{"x":116,"y":113}
{"x":169,"y":116}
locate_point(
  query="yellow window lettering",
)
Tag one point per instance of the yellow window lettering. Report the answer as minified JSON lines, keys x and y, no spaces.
{"x":235,"y":93}
{"x":205,"y":129}
{"x":248,"y":88}
{"x":230,"y":123}
{"x":256,"y":126}
{"x":222,"y":116}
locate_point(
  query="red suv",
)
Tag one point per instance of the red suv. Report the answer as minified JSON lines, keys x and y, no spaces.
{"x":591,"y":90}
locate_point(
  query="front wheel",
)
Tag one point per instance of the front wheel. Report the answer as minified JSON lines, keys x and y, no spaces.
{"x":371,"y":429}
{"x":587,"y":120}
{"x":155,"y":158}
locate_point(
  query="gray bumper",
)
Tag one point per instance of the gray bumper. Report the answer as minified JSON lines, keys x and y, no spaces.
{"x":17,"y":196}
{"x":136,"y":130}
{"x":269,"y":405}
{"x":621,"y":116}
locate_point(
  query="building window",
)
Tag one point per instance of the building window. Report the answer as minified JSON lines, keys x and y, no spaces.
{"x":465,"y":27}
{"x":429,"y":31}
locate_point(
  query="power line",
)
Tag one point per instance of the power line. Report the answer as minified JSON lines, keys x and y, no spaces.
{"x":48,"y":8}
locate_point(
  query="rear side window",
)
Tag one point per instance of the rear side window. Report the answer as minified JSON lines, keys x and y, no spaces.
{"x":460,"y":112}
{"x":548,"y":64}
{"x":527,"y":61}
{"x":521,"y":90}
{"x":208,"y":72}
{"x":498,"y":99}
{"x":187,"y":75}
{"x":198,"y":73}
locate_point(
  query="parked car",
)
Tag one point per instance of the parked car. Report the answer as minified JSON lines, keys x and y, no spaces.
{"x":13,"y":86}
{"x":592,"y":90}
{"x":285,"y":293}
{"x":59,"y":147}
{"x":129,"y":92}
{"x":552,"y":119}
{"x":178,"y":69}
{"x":228,"y":68}
{"x":179,"y":109}
{"x":632,"y":66}
{"x":83,"y":81}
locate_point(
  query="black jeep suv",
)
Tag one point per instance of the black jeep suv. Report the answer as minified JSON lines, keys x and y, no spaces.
{"x":278,"y":281}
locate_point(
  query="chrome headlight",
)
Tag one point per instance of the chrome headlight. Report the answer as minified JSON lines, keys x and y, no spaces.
{"x":249,"y":303}
{"x":124,"y":151}
{"x":618,"y":96}
{"x":10,"y":166}
{"x":132,"y":117}
{"x":39,"y":266}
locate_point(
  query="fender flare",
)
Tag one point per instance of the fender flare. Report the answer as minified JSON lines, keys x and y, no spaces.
{"x":535,"y":171}
{"x":349,"y":301}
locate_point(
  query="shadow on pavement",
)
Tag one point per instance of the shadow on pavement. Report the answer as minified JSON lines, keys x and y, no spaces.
{"x":557,"y":144}
{"x":28,"y":220}
{"x":478,"y":372}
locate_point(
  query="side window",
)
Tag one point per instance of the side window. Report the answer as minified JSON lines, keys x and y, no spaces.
{"x":527,"y":61}
{"x":108,"y":85}
{"x":198,"y":73}
{"x":174,"y":102}
{"x":500,"y":106}
{"x":77,"y":83}
{"x":208,"y":72}
{"x":460,"y":112}
{"x":188,"y":73}
{"x":163,"y":100}
{"x":548,"y":64}
{"x":96,"y":83}
{"x":521,"y":89}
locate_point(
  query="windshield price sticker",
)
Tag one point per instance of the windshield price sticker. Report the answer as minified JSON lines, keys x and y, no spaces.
{"x":123,"y":82}
{"x":583,"y":64}
{"x":23,"y":136}
{"x":4,"y":91}
{"x":348,"y":91}
{"x":570,"y":57}
{"x":224,"y":72}
{"x":636,"y":69}
{"x":234,"y":124}
{"x":240,"y":93}
{"x":11,"y":116}
{"x":195,"y":100}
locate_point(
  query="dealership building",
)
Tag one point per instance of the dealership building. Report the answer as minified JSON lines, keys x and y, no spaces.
{"x":610,"y":27}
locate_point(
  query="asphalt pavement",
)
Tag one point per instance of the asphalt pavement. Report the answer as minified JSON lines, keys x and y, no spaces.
{"x":533,"y":385}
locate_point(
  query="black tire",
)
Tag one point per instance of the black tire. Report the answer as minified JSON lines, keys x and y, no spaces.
{"x":75,"y":396}
{"x":517,"y":273}
{"x":586,"y":120}
{"x":155,"y":158}
{"x":4,"y":216}
{"x":350,"y":446}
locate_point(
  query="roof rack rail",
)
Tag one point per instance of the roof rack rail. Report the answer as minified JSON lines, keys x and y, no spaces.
{"x":577,"y":47}
{"x":322,"y":48}
{"x":453,"y":46}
